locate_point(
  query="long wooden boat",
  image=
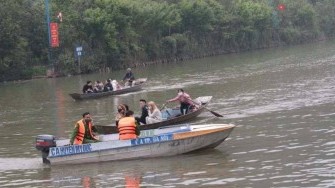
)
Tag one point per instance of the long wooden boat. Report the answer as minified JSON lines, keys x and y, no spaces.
{"x":137,"y":87}
{"x":153,"y":143}
{"x":171,"y":116}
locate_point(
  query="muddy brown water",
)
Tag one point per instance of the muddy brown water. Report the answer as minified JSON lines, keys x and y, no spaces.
{"x":282,"y":100}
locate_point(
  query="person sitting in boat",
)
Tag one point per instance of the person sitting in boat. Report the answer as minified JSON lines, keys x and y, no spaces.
{"x":127,"y":127}
{"x":121,"y":112}
{"x":185,"y":101}
{"x":108,"y":85}
{"x":98,"y":87}
{"x":144,"y":112}
{"x":88,"y":87}
{"x":129,"y":78}
{"x":154,"y":114}
{"x":115,"y":85}
{"x":83,"y":131}
{"x":95,"y":87}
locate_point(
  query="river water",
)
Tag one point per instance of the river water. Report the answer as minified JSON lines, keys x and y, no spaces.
{"x":282,"y":101}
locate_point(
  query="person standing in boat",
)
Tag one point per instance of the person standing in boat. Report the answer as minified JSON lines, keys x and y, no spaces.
{"x":121,"y":112}
{"x":184,"y":99}
{"x":83,"y":131}
{"x":155,"y":114}
{"x":144,"y":112}
{"x":127,"y":127}
{"x":129,"y":78}
{"x":88,"y":88}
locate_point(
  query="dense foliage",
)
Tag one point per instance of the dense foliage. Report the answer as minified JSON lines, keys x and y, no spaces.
{"x":121,"y":33}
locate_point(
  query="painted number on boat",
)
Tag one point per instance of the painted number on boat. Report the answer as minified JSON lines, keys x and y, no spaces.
{"x":150,"y":140}
{"x":69,"y":150}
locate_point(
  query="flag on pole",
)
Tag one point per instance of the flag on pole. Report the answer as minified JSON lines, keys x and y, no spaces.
{"x":54,"y":34}
{"x":60,"y":16}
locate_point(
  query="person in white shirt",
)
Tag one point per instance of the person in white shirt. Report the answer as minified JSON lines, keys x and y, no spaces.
{"x":115,"y":85}
{"x":154,"y":114}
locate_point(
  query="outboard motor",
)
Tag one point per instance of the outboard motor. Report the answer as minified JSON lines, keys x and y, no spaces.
{"x":44,"y":143}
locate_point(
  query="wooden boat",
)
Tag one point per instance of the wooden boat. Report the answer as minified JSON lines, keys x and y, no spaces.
{"x":171,"y":116}
{"x":153,"y":143}
{"x":137,"y":87}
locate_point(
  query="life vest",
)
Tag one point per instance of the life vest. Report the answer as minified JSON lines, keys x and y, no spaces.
{"x":127,"y":128}
{"x":81,"y":132}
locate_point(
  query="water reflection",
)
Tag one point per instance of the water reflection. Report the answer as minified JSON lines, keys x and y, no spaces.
{"x":132,"y":181}
{"x":60,"y":107}
{"x":87,"y":182}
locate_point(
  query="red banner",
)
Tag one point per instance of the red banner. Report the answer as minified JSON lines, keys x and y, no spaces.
{"x":54,"y":35}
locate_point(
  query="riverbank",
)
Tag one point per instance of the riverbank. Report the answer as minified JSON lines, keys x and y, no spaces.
{"x":204,"y":55}
{"x":50,"y":74}
{"x":144,"y":32}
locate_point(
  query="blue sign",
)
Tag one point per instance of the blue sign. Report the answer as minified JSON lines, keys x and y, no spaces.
{"x":151,"y":140}
{"x":69,"y":150}
{"x":79,"y":50}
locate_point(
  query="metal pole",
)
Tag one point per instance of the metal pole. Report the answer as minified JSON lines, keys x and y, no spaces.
{"x":48,"y":19}
{"x":50,"y":62}
{"x":48,"y":26}
{"x":79,"y":65}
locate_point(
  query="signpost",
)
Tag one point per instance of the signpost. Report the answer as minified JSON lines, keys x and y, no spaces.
{"x":79,"y":50}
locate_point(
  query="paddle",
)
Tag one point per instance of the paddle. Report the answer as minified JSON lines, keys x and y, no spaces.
{"x":214,"y":113}
{"x":167,"y":111}
{"x":163,"y":107}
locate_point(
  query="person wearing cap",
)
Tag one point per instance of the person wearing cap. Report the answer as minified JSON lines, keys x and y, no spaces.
{"x":129,"y":78}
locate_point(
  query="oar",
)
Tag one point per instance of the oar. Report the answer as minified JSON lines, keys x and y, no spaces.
{"x":214,"y":113}
{"x":167,"y":111}
{"x":163,"y":107}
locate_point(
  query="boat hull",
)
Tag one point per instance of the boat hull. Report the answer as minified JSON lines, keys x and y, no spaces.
{"x":171,"y":144}
{"x":84,"y":96}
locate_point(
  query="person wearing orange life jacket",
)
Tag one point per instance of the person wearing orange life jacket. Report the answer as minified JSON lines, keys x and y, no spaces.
{"x":83,"y":131}
{"x":127,"y":127}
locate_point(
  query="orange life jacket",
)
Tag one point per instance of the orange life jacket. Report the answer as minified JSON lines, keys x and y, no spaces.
{"x":81,"y":132}
{"x":127,"y":128}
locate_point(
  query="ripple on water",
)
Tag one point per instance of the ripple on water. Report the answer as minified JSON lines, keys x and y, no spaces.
{"x":327,"y":183}
{"x":20,"y":163}
{"x":194,"y":173}
{"x":192,"y":181}
{"x":212,"y":164}
{"x":224,"y":181}
{"x":25,"y":182}
{"x":156,"y":175}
